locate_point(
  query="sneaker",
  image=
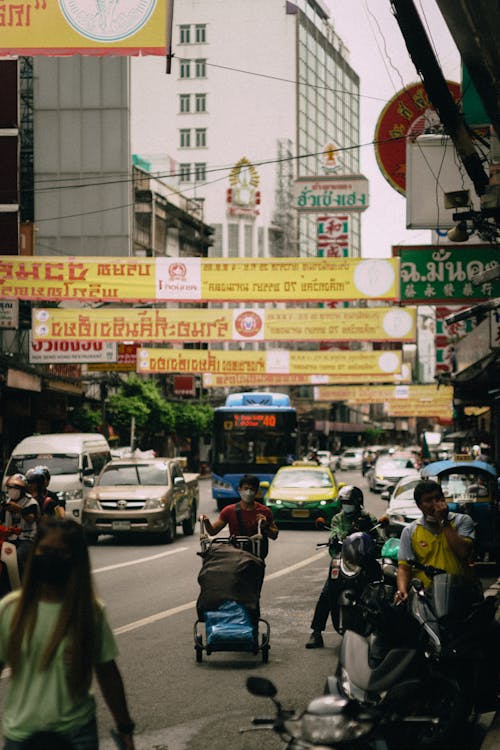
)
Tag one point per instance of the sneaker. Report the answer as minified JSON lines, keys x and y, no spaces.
{"x":315,"y":640}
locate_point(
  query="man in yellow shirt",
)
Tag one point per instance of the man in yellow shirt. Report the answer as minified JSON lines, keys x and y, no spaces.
{"x":438,"y":538}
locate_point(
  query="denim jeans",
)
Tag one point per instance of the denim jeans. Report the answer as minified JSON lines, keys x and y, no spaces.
{"x":83,"y":738}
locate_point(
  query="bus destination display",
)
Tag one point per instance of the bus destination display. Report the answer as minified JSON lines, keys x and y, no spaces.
{"x":255,"y":419}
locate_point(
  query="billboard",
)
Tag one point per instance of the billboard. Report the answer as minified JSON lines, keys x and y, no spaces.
{"x":193,"y":324}
{"x":121,"y":280}
{"x":88,"y":27}
{"x":333,"y":193}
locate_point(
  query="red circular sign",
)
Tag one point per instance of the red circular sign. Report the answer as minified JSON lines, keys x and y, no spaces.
{"x":406,"y":115}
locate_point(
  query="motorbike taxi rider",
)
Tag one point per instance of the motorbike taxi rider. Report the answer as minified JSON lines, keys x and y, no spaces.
{"x":439,"y":538}
{"x":20,"y":510}
{"x":350,"y":519}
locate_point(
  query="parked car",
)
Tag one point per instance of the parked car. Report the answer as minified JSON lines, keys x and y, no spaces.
{"x":303,"y":492}
{"x":327,"y":459}
{"x":402,"y":507}
{"x":351,"y":459}
{"x":388,"y":471}
{"x":143,"y":495}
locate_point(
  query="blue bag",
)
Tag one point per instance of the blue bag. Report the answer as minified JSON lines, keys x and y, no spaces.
{"x":230,"y":623}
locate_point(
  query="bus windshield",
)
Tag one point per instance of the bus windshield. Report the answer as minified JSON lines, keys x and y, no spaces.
{"x":252,"y":441}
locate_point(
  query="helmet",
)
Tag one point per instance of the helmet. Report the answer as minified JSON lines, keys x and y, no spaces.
{"x":356,"y":549}
{"x":350,"y":495}
{"x":35,"y":475}
{"x":45,"y":471}
{"x":17,"y":480}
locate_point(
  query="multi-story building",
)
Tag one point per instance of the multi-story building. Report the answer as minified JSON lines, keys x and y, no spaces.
{"x":259,"y":93}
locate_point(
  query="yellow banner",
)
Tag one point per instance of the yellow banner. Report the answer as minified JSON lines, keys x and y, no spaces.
{"x":420,"y":409}
{"x":198,"y":279}
{"x":249,"y":380}
{"x":179,"y":325}
{"x":270,"y":361}
{"x":90,"y":27}
{"x":423,"y":394}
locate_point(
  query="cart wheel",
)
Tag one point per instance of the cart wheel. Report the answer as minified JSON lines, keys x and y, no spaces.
{"x":199,"y":654}
{"x":265,"y":654}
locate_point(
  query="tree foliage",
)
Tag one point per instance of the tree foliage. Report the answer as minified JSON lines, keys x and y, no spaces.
{"x":373,"y":435}
{"x":85,"y":419}
{"x":193,"y":419}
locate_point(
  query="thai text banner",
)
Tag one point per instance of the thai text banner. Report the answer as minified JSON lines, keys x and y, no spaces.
{"x":271,"y":361}
{"x":419,"y":409}
{"x":68,"y":27}
{"x":179,"y":325}
{"x":403,"y":394}
{"x":434,"y":274}
{"x":211,"y":380}
{"x":198,"y":279}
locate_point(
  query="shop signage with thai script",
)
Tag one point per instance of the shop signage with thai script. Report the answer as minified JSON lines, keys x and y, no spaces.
{"x":83,"y":352}
{"x":332,"y":193}
{"x":198,"y":279}
{"x":377,"y":394}
{"x":433,"y":274}
{"x":214,"y":380}
{"x":192,"y":325}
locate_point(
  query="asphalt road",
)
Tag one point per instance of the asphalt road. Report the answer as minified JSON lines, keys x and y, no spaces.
{"x":150,"y":593}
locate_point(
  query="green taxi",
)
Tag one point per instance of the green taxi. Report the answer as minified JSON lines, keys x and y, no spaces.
{"x":302,"y":493}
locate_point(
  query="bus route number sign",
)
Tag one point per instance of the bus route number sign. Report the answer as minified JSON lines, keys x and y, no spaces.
{"x":241,"y":421}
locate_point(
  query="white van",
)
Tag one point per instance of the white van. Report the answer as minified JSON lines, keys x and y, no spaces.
{"x":69,"y":457}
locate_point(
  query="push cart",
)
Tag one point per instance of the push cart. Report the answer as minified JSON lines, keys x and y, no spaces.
{"x":228,"y":605}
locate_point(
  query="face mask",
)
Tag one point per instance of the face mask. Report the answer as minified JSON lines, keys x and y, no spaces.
{"x":248,"y":495}
{"x":349,"y":510}
{"x":14,"y":494}
{"x":51,"y":568}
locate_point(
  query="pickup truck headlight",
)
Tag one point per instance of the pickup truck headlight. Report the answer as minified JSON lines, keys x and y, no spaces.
{"x":154,"y":503}
{"x":68,"y":495}
{"x":92,"y":503}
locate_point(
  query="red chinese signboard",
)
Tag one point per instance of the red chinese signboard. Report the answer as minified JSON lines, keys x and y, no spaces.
{"x":407,"y":115}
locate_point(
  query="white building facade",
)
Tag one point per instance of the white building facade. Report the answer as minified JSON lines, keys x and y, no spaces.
{"x":258,"y":91}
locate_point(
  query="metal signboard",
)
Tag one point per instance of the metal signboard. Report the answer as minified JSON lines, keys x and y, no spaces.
{"x":333,"y":193}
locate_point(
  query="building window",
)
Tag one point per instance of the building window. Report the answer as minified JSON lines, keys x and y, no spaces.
{"x":201,"y":137}
{"x":200,"y":171}
{"x":201,"y":102}
{"x":184,"y":34}
{"x":201,"y":68}
{"x":184,"y":172}
{"x":200,"y":30}
{"x":185,"y":102}
{"x":248,"y":240}
{"x":185,"y":68}
{"x":185,"y":137}
{"x":233,"y":236}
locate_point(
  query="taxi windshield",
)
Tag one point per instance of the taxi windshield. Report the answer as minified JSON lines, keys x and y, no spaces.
{"x":297,"y":478}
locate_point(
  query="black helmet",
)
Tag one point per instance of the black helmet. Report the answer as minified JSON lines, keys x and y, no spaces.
{"x":356,"y":549}
{"x":350,"y":495}
{"x":45,"y":471}
{"x":36,"y":474}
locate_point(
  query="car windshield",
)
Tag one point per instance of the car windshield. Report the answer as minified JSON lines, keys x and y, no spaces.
{"x":394,"y":466}
{"x":302,"y":479}
{"x":351,"y":454}
{"x":57,"y":463}
{"x":154,"y":475}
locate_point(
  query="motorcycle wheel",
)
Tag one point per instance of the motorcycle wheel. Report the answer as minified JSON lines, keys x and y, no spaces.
{"x":440,"y":697}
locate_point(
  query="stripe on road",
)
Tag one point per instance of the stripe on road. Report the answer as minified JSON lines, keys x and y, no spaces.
{"x":140,"y":560}
{"x":190,"y":605}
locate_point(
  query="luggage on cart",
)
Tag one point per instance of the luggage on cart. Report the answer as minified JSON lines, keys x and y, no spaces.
{"x":229,"y":601}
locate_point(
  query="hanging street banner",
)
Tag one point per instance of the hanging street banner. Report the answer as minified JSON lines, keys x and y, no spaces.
{"x":211,"y":380}
{"x":271,"y":361}
{"x":433,"y":274}
{"x":194,"y":325}
{"x":315,"y":195}
{"x":379,"y":394}
{"x":198,"y":279}
{"x":407,"y":115}
{"x":88,"y":27}
{"x":69,"y":352}
{"x":436,"y":410}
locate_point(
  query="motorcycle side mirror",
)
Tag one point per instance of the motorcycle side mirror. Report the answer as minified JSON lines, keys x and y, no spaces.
{"x":321,"y":523}
{"x":261,"y":686}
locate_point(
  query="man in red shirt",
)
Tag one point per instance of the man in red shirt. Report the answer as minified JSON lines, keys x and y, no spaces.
{"x":243,"y":517}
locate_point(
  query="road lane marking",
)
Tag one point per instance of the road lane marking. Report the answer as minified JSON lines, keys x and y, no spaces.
{"x":140,"y":560}
{"x":190,"y":605}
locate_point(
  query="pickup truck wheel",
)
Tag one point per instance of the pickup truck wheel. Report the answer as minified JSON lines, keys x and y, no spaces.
{"x":189,"y":523}
{"x":169,"y":535}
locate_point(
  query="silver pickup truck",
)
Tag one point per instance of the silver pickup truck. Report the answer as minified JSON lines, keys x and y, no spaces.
{"x":141,"y":495}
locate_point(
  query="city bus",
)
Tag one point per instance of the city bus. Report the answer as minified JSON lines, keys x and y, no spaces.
{"x":254,"y":433}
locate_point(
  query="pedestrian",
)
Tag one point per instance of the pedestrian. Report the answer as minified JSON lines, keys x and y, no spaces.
{"x":38,"y":481}
{"x":20,"y":511}
{"x":243,"y":517}
{"x":350,"y":519}
{"x":53,"y":635}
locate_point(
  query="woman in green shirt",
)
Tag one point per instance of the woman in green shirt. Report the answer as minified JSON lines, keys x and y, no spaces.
{"x":53,"y":635}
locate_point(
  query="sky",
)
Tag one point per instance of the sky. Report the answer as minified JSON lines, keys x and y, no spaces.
{"x":378,"y":54}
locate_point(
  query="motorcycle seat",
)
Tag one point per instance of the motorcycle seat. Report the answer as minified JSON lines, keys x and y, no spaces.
{"x":355,"y":657}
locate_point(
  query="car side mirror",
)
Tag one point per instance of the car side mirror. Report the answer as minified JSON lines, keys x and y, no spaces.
{"x":385,"y":495}
{"x":88,"y":482}
{"x":340,"y":485}
{"x":264,"y":485}
{"x":179,"y":481}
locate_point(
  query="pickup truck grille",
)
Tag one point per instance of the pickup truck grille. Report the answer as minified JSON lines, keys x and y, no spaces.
{"x":131,"y":505}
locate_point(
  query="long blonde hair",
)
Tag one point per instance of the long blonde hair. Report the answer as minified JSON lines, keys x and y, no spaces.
{"x":79,"y":615}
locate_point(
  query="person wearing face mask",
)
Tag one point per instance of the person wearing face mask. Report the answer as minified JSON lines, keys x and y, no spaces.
{"x":351,"y":518}
{"x":439,"y":538}
{"x":243,"y":517}
{"x":21,"y":511}
{"x":54,"y":635}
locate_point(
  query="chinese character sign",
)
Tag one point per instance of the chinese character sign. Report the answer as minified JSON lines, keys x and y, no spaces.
{"x":333,"y":235}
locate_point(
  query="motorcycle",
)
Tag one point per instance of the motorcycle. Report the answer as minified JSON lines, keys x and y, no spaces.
{"x":9,"y":570}
{"x":428,"y":663}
